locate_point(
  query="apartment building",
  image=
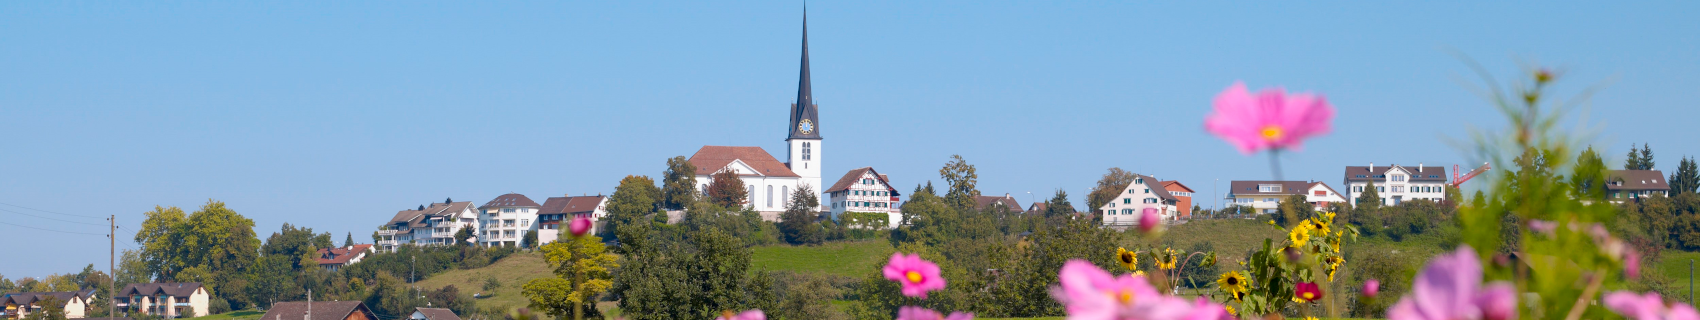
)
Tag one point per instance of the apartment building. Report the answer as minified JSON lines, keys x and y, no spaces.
{"x":1266,"y":196}
{"x":1396,"y":184}
{"x":504,"y":220}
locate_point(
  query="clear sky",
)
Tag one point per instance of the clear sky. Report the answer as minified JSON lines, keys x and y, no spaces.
{"x":335,"y":115}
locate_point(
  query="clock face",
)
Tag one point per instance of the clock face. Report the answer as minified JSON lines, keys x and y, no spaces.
{"x":806,"y":126}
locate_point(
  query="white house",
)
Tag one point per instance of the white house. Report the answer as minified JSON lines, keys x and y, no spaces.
{"x":19,"y":305}
{"x":1266,"y":196}
{"x":557,"y":212}
{"x":165,"y":299}
{"x":1635,"y":184}
{"x":334,"y":259}
{"x":769,"y":181}
{"x":1144,"y":192}
{"x":1396,"y":184}
{"x":865,"y":190}
{"x":434,"y":225}
{"x":504,"y":220}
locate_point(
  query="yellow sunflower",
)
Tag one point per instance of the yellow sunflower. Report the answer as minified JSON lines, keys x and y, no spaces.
{"x":1237,"y":296}
{"x":1334,"y":265}
{"x":1128,"y":259}
{"x":1231,"y":310}
{"x":1319,"y":224}
{"x":1300,"y":234}
{"x":1233,"y":282}
{"x":1335,"y":242}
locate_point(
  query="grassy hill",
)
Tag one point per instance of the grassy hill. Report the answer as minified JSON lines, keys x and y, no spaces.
{"x":512,"y":272}
{"x":852,"y":258}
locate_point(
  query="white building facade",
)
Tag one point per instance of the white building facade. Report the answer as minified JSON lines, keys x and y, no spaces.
{"x":504,"y":220}
{"x":1396,"y":184}
{"x":558,"y":212}
{"x":432,"y":225}
{"x":1145,"y":192}
{"x":865,"y":190}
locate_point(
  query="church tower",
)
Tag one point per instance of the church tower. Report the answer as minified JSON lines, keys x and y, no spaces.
{"x":804,"y":139}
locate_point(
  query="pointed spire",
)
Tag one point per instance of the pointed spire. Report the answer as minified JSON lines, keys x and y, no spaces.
{"x":805,"y":121}
{"x":804,"y":97}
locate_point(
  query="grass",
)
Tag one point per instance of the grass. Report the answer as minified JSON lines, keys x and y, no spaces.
{"x":852,"y":258}
{"x":512,"y":272}
{"x":1674,"y":265}
{"x":1232,"y":238}
{"x":233,"y":315}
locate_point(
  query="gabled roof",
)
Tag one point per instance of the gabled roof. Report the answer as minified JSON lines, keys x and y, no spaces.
{"x":1418,"y":174}
{"x":855,"y":176}
{"x":983,"y":202}
{"x":1176,"y":184}
{"x":511,"y":200}
{"x":27,"y":298}
{"x":1636,"y":180}
{"x":1243,"y":187}
{"x":175,"y":289}
{"x":340,"y":256}
{"x":711,"y":159}
{"x":1156,"y":187}
{"x":409,"y":217}
{"x":322,"y":310}
{"x":444,"y":209}
{"x":571,"y":205}
{"x":437,"y":313}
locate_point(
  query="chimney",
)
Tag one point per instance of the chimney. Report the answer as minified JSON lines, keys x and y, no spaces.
{"x":1419,"y":167}
{"x":1371,"y":167}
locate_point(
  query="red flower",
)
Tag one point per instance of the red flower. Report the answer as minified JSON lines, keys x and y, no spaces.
{"x":1307,"y":291}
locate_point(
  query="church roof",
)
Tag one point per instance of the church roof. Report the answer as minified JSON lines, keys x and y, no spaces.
{"x":805,"y":108}
{"x":711,"y":159}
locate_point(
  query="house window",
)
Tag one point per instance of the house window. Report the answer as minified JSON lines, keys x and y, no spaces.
{"x":751,"y":190}
{"x":1246,"y":200}
{"x":1398,"y":177}
{"x":785,"y":192}
{"x":1147,"y":191}
{"x":1127,"y":211}
{"x":770,"y":196}
{"x":1150,"y":200}
{"x":1357,"y":188}
{"x":1268,"y":188}
{"x":1380,"y":189}
{"x":507,"y":209}
{"x":525,"y":222}
{"x":508,"y":223}
{"x":1127,"y":200}
{"x":805,"y":151}
{"x":1320,"y":193}
{"x":1112,"y":204}
{"x":1268,"y":199}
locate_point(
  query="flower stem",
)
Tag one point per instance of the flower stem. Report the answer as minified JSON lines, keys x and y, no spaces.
{"x":1587,"y":295}
{"x":1275,"y":163}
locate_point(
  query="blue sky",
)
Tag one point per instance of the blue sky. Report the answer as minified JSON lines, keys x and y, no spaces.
{"x":334,"y":115}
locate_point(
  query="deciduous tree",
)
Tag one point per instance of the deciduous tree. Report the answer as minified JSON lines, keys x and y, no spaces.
{"x":962,"y":179}
{"x":635,"y":197}
{"x":1108,"y":187}
{"x":727,"y":190}
{"x":679,"y":184}
{"x":582,"y":273}
{"x":798,"y":222}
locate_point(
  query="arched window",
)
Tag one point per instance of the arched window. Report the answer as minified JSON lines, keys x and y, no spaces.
{"x":785,"y":193}
{"x":769,"y":196}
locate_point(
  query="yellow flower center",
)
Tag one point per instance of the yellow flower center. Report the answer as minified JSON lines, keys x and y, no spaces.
{"x":1273,"y":133}
{"x":914,"y":276}
{"x":1125,"y":297}
{"x":1310,"y":296}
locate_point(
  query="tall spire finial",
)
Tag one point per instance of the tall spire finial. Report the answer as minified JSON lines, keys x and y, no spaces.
{"x":805,"y":121}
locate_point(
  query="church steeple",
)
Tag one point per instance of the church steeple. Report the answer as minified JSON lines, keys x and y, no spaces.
{"x":805,"y":121}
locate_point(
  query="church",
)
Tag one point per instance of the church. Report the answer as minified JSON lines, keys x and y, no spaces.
{"x":769,"y":181}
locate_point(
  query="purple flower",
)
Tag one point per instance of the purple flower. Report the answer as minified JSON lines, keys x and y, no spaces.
{"x":1372,"y":287}
{"x":752,"y":314}
{"x":1450,"y":288}
{"x":919,"y":313}
{"x":579,"y":226}
{"x":1648,"y":307}
{"x":1148,"y":220}
{"x":917,"y":275}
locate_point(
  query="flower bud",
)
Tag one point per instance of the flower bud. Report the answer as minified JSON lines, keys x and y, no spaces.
{"x":579,"y":226}
{"x":1371,"y":288}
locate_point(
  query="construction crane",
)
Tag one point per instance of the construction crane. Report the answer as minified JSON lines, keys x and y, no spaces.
{"x":1458,"y":180}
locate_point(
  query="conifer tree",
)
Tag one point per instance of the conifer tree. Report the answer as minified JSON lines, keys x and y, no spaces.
{"x":1686,"y":179}
{"x":1634,"y":161}
{"x":1647,"y":157}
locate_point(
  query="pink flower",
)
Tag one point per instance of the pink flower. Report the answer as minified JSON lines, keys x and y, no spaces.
{"x":919,"y":313}
{"x":1148,"y":220}
{"x":1269,"y":120}
{"x":1308,"y":291}
{"x":1450,"y":287}
{"x":1543,"y":226}
{"x":1088,"y":292}
{"x":753,"y":314}
{"x":1372,"y":287}
{"x":1648,"y":307}
{"x":579,"y":226}
{"x":1632,"y":263}
{"x":917,"y":275}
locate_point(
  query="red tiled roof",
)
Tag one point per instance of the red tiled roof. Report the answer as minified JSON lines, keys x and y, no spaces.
{"x":340,"y":256}
{"x":437,"y":313}
{"x":711,"y":159}
{"x":1183,"y":188}
{"x":322,"y":310}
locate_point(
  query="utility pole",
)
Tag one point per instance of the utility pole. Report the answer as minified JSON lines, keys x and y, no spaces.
{"x":1216,"y":209}
{"x":112,"y":266}
{"x":1691,"y":282}
{"x":309,"y":315}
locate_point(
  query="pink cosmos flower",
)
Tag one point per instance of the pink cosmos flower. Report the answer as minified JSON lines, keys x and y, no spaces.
{"x":1148,"y":220}
{"x":1271,"y":119}
{"x":1308,"y":291}
{"x":1372,"y":287}
{"x":579,"y":226}
{"x":1543,"y":226}
{"x":917,"y":275}
{"x":1632,"y":263}
{"x":919,"y":313}
{"x":1450,"y":287}
{"x":752,"y":314}
{"x":1090,"y":293}
{"x":1648,"y":307}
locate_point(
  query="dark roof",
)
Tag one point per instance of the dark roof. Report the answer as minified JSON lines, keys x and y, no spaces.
{"x":340,"y":256}
{"x":983,"y":202}
{"x":854,"y":176}
{"x":510,"y":200}
{"x":175,"y":289}
{"x":1238,"y":187}
{"x":27,"y":298}
{"x":118,"y":318}
{"x":1156,"y":187}
{"x":322,"y":310}
{"x":711,"y":159}
{"x":571,"y":205}
{"x":444,"y":209}
{"x":1427,"y":173}
{"x":438,"y":314}
{"x":1636,"y":180}
{"x":408,"y":217}
{"x":804,"y":108}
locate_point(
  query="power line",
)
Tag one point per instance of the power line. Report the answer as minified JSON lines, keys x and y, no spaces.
{"x":50,"y":230}
{"x":74,"y":215}
{"x":48,"y":218}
